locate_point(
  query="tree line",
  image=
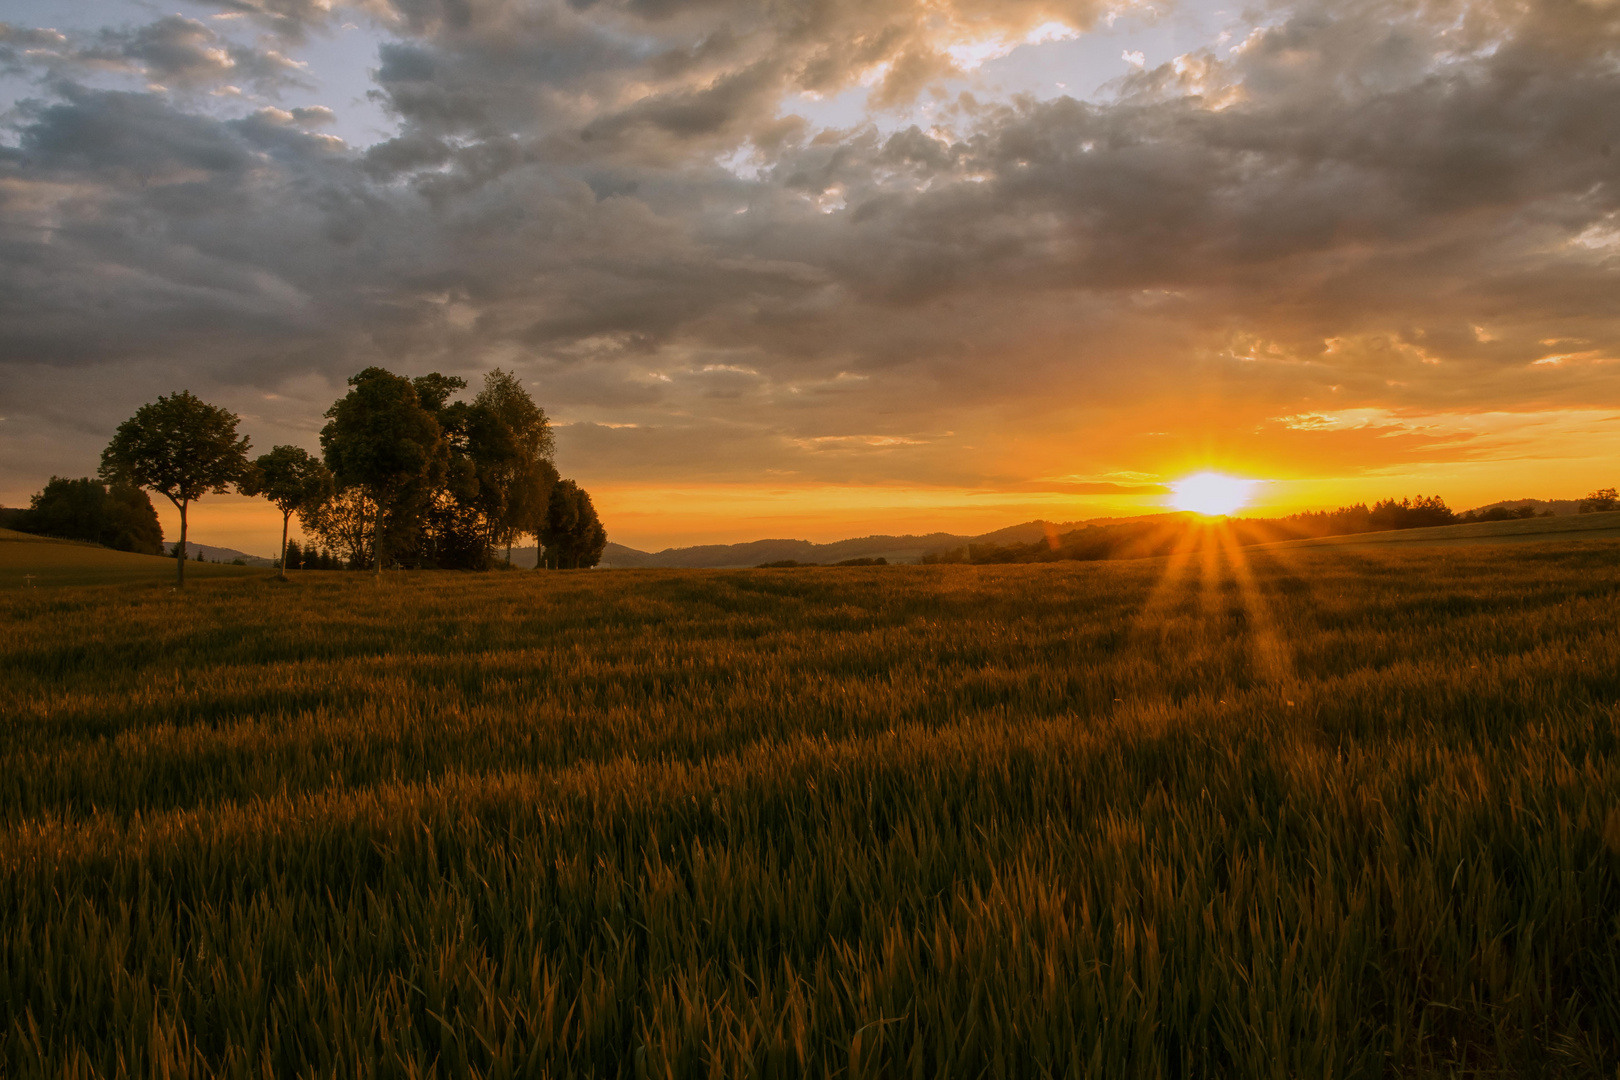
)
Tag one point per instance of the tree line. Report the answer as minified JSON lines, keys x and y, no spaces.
{"x":407,"y":477}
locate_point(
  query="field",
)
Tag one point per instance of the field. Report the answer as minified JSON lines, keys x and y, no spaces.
{"x":1316,"y":812}
{"x":1600,"y":526}
{"x":33,"y":561}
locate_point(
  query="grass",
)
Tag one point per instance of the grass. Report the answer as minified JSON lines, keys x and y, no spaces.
{"x":28,"y":561}
{"x":1322,"y":812}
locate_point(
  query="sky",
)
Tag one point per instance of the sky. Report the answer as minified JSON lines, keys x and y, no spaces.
{"x":825,"y":268}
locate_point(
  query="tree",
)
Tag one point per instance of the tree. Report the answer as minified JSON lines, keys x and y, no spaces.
{"x":520,"y":466}
{"x":120,"y":517}
{"x":380,"y":440}
{"x":1415,"y":513}
{"x":534,"y":495}
{"x":343,"y":524}
{"x":180,"y":447}
{"x":574,"y":537}
{"x":1600,"y":501}
{"x":292,"y":479}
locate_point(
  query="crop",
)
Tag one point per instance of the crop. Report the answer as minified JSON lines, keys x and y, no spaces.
{"x":1319,"y":812}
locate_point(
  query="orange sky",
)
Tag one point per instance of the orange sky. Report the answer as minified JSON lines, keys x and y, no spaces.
{"x":908,"y":265}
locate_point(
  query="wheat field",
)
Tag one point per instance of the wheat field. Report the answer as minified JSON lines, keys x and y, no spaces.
{"x":1294,"y":813}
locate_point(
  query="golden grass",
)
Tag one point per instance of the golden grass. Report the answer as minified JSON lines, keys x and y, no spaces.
{"x":32,"y":561}
{"x":1288,"y":813}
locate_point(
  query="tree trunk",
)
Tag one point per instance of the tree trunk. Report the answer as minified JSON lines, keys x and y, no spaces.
{"x":180,"y":579}
{"x":286,"y":515}
{"x":376,"y":543}
{"x":509,"y":550}
{"x":539,"y":553}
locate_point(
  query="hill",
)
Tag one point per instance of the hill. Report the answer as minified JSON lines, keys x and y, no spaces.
{"x":896,"y":549}
{"x":1574,"y":527}
{"x":1559,"y":507}
{"x":225,"y":554}
{"x":27,"y":560}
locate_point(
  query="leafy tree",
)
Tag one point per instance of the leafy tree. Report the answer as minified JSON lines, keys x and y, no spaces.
{"x":1599,"y":501}
{"x":180,"y":447}
{"x":519,"y":465}
{"x":292,"y":479}
{"x":574,"y":537}
{"x":120,"y":517}
{"x":379,"y":440}
{"x":344,"y":525}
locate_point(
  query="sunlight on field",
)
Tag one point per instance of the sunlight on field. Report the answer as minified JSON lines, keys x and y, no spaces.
{"x":1295,"y":812}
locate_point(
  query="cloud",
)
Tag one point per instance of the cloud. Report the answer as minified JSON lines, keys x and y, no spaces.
{"x":172,"y":53}
{"x":619,"y":200}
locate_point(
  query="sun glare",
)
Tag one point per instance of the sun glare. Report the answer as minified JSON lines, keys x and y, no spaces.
{"x":1210,"y":493}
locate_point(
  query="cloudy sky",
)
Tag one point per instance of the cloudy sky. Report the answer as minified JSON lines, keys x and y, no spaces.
{"x":820,"y":268}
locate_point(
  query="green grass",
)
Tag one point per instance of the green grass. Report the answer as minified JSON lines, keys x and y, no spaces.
{"x":1332,"y":812}
{"x":28,"y":561}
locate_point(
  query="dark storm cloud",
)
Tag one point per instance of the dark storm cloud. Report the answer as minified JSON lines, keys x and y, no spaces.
{"x":1401,"y":203}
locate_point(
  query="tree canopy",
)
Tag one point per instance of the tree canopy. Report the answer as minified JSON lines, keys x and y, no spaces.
{"x":182,"y":448}
{"x":574,"y":537}
{"x":295,"y":481}
{"x":378,"y":438}
{"x":119,"y":516}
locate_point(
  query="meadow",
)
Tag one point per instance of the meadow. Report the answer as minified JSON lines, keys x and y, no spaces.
{"x":1328,"y":811}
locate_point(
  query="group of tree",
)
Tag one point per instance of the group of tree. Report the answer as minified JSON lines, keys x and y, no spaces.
{"x":1600,"y":501}
{"x":407,"y":477}
{"x":117,"y":516}
{"x":309,"y":556}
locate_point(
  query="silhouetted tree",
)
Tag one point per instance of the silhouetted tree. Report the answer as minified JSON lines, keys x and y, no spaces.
{"x":119,"y":517}
{"x":574,"y":536}
{"x":519,"y":466}
{"x":1599,"y":501}
{"x":380,"y":440}
{"x":292,"y":556}
{"x":180,"y":447}
{"x":295,"y":481}
{"x":1415,"y":513}
{"x":344,"y":524}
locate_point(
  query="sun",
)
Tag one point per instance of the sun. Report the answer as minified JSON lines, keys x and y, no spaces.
{"x":1210,"y":493}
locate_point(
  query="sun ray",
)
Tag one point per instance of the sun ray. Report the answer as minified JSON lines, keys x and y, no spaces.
{"x":1271,"y":657}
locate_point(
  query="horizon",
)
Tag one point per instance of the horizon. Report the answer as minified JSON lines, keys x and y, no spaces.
{"x":244,"y":503}
{"x":900,"y":268}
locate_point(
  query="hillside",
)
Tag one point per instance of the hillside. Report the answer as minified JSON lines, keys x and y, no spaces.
{"x":897,"y":549}
{"x":1573,"y":527}
{"x":48,"y":561}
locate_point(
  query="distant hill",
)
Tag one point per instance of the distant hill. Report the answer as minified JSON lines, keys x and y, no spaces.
{"x":219,"y":554}
{"x":1602,"y":526}
{"x":910,"y":548}
{"x":1559,"y":507}
{"x":896,"y":549}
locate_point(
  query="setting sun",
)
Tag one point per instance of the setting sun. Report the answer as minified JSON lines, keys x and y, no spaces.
{"x":1211,"y":493}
